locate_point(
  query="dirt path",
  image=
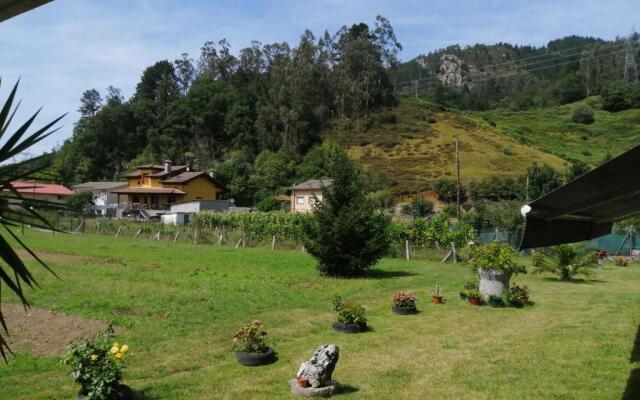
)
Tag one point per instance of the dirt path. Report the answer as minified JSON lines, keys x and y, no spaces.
{"x":44,"y":332}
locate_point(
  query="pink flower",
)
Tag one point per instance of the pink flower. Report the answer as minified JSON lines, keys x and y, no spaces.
{"x":257,"y":322}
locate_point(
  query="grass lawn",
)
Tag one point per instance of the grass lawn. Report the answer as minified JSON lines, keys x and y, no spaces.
{"x":575,"y":343}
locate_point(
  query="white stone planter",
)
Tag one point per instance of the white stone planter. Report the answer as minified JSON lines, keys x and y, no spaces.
{"x":493,"y":283}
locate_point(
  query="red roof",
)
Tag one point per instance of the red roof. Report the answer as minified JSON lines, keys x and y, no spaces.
{"x":40,"y":188}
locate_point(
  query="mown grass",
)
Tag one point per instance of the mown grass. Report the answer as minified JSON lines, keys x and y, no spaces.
{"x":574,"y":343}
{"x":551,"y":130}
{"x":414,"y":144}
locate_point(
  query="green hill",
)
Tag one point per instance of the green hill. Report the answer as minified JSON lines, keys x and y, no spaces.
{"x":414,"y":144}
{"x":551,"y":130}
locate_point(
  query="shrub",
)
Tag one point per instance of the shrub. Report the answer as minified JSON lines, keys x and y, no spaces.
{"x":419,"y":207}
{"x":564,"y":261}
{"x":583,"y":114}
{"x":473,"y":292}
{"x":97,"y":366}
{"x":518,"y":294}
{"x":404,"y":299}
{"x":267,"y":204}
{"x":349,"y":312}
{"x":495,"y":256}
{"x":616,"y":96}
{"x":79,"y":202}
{"x":621,"y":261}
{"x":346,"y":234}
{"x":446,"y":189}
{"x":250,"y":338}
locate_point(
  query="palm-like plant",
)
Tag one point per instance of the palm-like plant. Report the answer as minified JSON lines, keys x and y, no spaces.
{"x":565,"y":261}
{"x":14,"y":209}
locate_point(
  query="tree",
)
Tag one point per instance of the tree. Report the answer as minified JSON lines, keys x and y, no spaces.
{"x":446,"y":190}
{"x":346,"y":234}
{"x":565,"y":261}
{"x":541,"y":180}
{"x":185,"y":72}
{"x":615,"y":97}
{"x":90,"y":103}
{"x":14,"y":209}
{"x":78,"y":202}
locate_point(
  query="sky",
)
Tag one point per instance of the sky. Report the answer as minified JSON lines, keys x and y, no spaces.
{"x":65,"y":47}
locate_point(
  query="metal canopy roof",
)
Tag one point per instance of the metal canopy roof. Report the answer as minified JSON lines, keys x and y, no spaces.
{"x":11,"y":8}
{"x":586,"y":207}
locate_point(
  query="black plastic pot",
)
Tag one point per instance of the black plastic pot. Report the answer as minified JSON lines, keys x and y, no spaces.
{"x":517,"y":303}
{"x":255,"y":359}
{"x":349,"y":328}
{"x":463,"y":296}
{"x":496,"y":302}
{"x":405,"y":310}
{"x":123,"y":392}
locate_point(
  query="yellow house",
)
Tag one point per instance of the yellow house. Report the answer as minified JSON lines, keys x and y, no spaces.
{"x":156,"y":187}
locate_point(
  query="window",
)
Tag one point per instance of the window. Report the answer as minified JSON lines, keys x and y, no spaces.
{"x":300,"y":200}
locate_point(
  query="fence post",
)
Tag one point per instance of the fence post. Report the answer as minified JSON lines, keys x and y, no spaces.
{"x":220,"y":239}
{"x":454,"y":253}
{"x":195,"y":236}
{"x":118,"y":231}
{"x":138,"y":232}
{"x":406,"y":249}
{"x":176,"y":236}
{"x":273,"y":243}
{"x":238,"y":244}
{"x":97,"y":227}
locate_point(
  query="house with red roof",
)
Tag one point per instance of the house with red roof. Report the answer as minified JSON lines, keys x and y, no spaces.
{"x":41,"y":191}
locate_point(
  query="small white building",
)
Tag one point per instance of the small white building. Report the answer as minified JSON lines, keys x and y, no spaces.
{"x":104,"y":201}
{"x":176,"y":218}
{"x":305,"y":194}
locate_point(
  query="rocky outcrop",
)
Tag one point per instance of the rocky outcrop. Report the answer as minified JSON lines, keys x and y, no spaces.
{"x":451,"y":71}
{"x":320,"y":367}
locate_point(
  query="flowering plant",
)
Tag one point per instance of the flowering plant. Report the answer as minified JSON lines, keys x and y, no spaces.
{"x":404,"y":299}
{"x":518,"y":293}
{"x":472,"y":292}
{"x":622,"y":261}
{"x":97,"y":366}
{"x":250,"y":338}
{"x":349,"y":312}
{"x":601,"y":254}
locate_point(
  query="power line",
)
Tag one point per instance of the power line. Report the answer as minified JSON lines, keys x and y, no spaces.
{"x":435,"y":80}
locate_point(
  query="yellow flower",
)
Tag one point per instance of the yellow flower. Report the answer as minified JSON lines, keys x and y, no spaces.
{"x":93,"y":357}
{"x":119,"y":355}
{"x":114,"y":349}
{"x":124,"y":348}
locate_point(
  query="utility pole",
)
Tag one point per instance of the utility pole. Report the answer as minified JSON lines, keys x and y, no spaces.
{"x":630,"y":66}
{"x":457,"y":178}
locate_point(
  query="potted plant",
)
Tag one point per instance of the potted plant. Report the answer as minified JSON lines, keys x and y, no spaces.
{"x":601,"y":255}
{"x":496,"y":301}
{"x":97,"y":365}
{"x":436,"y":296}
{"x":621,"y":261}
{"x":474,"y":297}
{"x":518,"y":296}
{"x":250,"y":346}
{"x":494,"y":265}
{"x":468,"y":285}
{"x":404,"y":303}
{"x":350,"y":316}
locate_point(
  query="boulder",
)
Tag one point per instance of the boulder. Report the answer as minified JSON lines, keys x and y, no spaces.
{"x":319,"y":368}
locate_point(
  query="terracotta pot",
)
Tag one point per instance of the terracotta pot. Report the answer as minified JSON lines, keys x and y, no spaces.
{"x":436,"y":299}
{"x":303,"y":381}
{"x":474,"y":300}
{"x":525,"y":300}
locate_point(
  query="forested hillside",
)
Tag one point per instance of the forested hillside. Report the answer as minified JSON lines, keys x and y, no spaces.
{"x":265,"y":117}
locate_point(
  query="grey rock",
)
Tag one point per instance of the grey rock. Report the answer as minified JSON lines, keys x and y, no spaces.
{"x":325,"y":391}
{"x":493,"y":283}
{"x":319,"y":368}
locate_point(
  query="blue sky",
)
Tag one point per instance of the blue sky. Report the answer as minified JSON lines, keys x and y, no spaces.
{"x":67,"y":46}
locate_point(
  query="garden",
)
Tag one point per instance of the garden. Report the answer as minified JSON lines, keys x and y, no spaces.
{"x":177,"y":308}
